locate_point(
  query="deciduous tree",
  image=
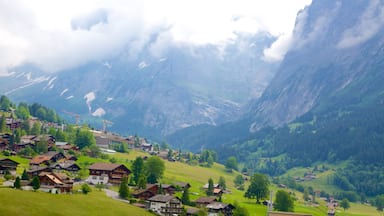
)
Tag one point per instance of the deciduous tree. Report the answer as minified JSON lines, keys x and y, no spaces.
{"x":259,"y":187}
{"x":283,"y":202}
{"x":123,"y":189}
{"x":154,"y":168}
{"x":345,"y":204}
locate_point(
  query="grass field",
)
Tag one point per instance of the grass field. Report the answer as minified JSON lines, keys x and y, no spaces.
{"x":17,"y":202}
{"x":39,"y":203}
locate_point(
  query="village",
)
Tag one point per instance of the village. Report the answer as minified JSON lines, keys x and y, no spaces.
{"x":57,"y":171}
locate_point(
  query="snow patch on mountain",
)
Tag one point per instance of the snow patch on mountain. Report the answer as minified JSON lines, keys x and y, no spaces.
{"x":108,"y":99}
{"x":69,"y":97}
{"x":143,"y":65}
{"x":63,"y":92}
{"x":89,"y":98}
{"x":99,"y":112}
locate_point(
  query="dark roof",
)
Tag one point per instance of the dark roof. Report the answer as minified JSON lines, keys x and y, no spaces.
{"x":182,"y":184}
{"x":206,"y":200}
{"x":161,"y":198}
{"x":8,"y":159}
{"x":219,"y":205}
{"x":107,"y":166}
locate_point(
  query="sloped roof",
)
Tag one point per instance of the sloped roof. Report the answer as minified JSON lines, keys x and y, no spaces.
{"x":219,"y":205}
{"x":106,"y":166}
{"x":161,"y":198}
{"x":206,"y":200}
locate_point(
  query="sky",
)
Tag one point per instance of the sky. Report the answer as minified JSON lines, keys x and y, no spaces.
{"x":62,"y":34}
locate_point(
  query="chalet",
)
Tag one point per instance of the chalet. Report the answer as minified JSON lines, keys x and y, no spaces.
{"x":166,"y":205}
{"x":67,"y":166}
{"x":182,"y":185}
{"x":19,"y":146}
{"x":47,"y":158}
{"x":103,"y":173}
{"x":7,"y":164}
{"x":4,"y":141}
{"x":214,"y":186}
{"x":168,"y":189}
{"x":218,"y":208}
{"x":218,"y":192}
{"x":144,"y":194}
{"x":55,"y":182}
{"x":204,"y":201}
{"x":12,"y":123}
{"x":65,"y":146}
{"x":36,"y":170}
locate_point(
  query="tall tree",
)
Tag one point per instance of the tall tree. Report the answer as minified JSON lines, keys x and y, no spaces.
{"x":185,"y":197}
{"x":222,"y":183}
{"x":154,"y":168}
{"x":259,"y":187}
{"x":379,"y":203}
{"x":231,"y":163}
{"x":123,"y":189}
{"x":210,"y":187}
{"x":137,"y":169}
{"x":345,"y":204}
{"x":17,"y":183}
{"x":84,"y":138}
{"x":35,"y":183}
{"x":239,"y":180}
{"x":283,"y":202}
{"x":25,"y":176}
{"x":36,"y":128}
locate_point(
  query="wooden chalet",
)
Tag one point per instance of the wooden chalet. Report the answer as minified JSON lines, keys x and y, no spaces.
{"x":65,"y":146}
{"x":47,"y":158}
{"x":167,"y":188}
{"x":144,"y":194}
{"x":107,"y":173}
{"x":182,"y":185}
{"x":202,"y":202}
{"x":219,"y":208}
{"x":7,"y":164}
{"x":67,"y":166}
{"x":36,"y":170}
{"x":12,"y":123}
{"x":166,"y":205}
{"x":52,"y":182}
{"x":4,"y":141}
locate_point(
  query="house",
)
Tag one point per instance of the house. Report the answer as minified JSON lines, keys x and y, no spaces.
{"x":214,"y":186}
{"x":182,"y":185}
{"x":204,"y":201}
{"x":103,"y":173}
{"x":36,"y":170}
{"x":4,"y":141}
{"x":47,"y":158}
{"x":12,"y":123}
{"x":144,"y":194}
{"x":168,"y":189}
{"x":7,"y":164}
{"x":19,"y":146}
{"x":67,"y":166}
{"x":66,"y":146}
{"x":218,"y":208}
{"x":217,"y":192}
{"x":46,"y":138}
{"x":166,"y":205}
{"x":55,"y":182}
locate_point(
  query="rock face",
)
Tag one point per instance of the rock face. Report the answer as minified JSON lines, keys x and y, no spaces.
{"x":155,"y":95}
{"x":336,"y":61}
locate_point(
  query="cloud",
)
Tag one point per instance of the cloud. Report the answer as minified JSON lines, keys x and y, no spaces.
{"x":371,"y":21}
{"x":57,"y":35}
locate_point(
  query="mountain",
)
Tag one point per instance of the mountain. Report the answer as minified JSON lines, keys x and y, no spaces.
{"x":331,"y":75}
{"x":149,"y":95}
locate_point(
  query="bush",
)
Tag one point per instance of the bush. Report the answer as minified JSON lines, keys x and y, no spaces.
{"x":85,"y":188}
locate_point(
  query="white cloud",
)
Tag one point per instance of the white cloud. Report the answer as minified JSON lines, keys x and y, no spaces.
{"x":99,"y":112}
{"x":58,"y":35}
{"x":368,"y":25}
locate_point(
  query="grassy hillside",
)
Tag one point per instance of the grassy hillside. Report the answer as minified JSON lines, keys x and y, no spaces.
{"x":39,"y":203}
{"x":17,"y":202}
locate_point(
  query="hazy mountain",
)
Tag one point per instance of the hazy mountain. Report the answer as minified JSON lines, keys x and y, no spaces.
{"x":151,"y":95}
{"x":334,"y":67}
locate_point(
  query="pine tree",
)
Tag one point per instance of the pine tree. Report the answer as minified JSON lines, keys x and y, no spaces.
{"x":25,"y":176}
{"x":35,"y":183}
{"x":124,"y":190}
{"x":17,"y":183}
{"x":185,"y":197}
{"x":210,"y":187}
